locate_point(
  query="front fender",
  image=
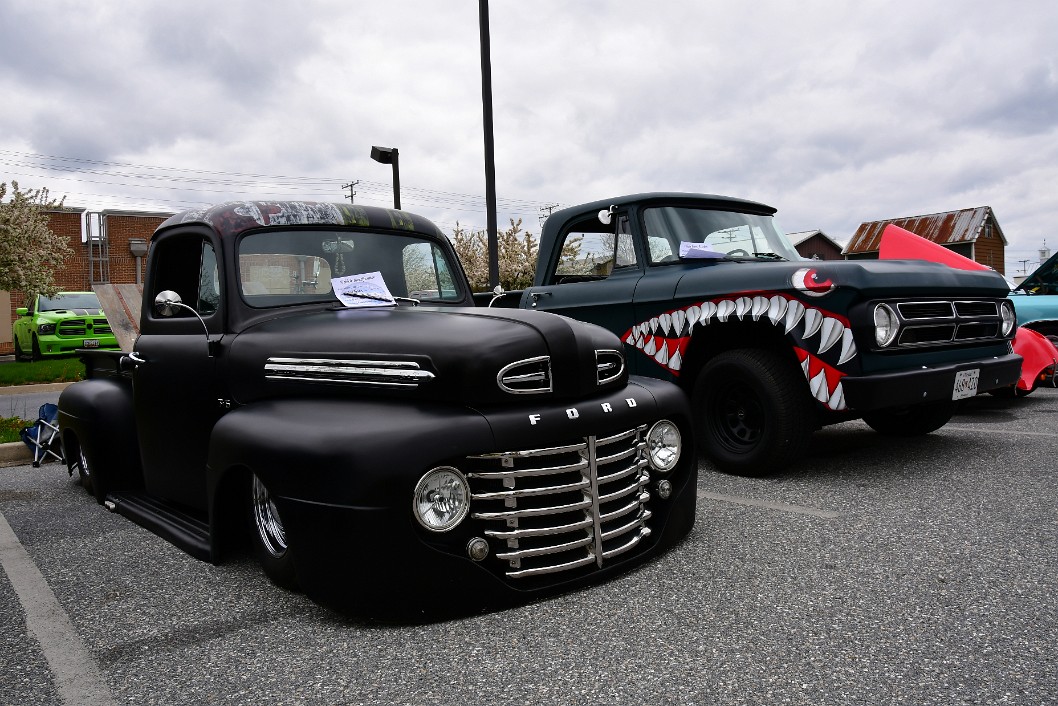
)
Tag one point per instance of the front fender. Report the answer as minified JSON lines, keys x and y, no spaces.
{"x":98,"y":415}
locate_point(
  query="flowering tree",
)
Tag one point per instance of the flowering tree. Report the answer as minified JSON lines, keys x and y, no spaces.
{"x":30,"y":253}
{"x":517,"y":255}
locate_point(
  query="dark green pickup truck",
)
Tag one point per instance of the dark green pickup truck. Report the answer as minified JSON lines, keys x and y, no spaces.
{"x":708,"y":292}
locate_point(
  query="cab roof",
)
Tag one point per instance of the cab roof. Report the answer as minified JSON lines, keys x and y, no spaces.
{"x":235,"y":217}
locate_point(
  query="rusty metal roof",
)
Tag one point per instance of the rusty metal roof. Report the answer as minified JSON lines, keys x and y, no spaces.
{"x":951,"y":227}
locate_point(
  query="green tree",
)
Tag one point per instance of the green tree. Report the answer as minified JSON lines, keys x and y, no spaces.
{"x":30,"y":253}
{"x":517,"y":255}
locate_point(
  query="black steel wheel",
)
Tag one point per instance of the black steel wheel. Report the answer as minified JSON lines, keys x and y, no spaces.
{"x":753,"y":411}
{"x":916,"y":420}
{"x":269,"y":537}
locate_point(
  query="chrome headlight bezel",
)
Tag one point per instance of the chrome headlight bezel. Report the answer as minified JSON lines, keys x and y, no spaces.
{"x":1008,"y":316}
{"x":886,"y":325}
{"x":440,"y":486}
{"x":664,"y":446}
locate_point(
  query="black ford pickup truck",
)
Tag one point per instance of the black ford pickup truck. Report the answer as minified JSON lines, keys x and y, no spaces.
{"x":708,"y":292}
{"x":316,"y":376}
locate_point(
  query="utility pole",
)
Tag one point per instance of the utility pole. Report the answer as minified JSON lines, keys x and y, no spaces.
{"x":352,"y":190}
{"x":549,"y":208}
{"x":490,"y":147}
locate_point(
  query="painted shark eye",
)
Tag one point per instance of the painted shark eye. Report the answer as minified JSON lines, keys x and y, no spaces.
{"x":812,"y":282}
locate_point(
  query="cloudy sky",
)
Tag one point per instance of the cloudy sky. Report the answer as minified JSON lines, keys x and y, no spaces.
{"x":833,"y":112}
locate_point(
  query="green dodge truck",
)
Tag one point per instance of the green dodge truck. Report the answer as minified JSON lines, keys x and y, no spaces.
{"x":708,"y":292}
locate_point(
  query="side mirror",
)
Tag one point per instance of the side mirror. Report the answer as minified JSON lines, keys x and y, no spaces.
{"x":167,"y":302}
{"x":22,"y":311}
{"x":606,"y":215}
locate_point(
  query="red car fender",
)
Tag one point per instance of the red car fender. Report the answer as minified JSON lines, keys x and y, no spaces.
{"x":1040,"y":357}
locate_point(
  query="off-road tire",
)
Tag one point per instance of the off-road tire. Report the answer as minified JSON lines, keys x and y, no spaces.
{"x":753,"y":413}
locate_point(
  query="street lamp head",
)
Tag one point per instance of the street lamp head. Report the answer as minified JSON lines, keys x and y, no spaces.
{"x":384,"y":155}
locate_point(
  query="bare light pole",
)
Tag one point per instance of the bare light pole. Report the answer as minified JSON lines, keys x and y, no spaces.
{"x":490,"y":149}
{"x":389,"y":155}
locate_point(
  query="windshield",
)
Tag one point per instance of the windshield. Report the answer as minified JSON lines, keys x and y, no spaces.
{"x":296,"y":267}
{"x":68,"y":300}
{"x":1044,"y":280}
{"x":725,"y":233}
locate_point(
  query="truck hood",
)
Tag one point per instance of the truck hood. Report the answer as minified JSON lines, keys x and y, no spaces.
{"x":868,"y":278}
{"x":464,"y":355}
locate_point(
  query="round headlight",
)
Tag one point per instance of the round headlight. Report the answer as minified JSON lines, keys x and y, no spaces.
{"x":664,"y":445}
{"x":1006,"y":310}
{"x":885,"y":326}
{"x":442,"y":499}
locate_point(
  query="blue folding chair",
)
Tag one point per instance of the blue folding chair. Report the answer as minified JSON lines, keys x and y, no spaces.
{"x":42,"y":437}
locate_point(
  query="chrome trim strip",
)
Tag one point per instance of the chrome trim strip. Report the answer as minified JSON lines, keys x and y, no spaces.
{"x":601,"y":367}
{"x":349,"y":371}
{"x":502,"y":376}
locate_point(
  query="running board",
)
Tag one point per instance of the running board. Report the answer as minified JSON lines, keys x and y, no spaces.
{"x":175,"y":524}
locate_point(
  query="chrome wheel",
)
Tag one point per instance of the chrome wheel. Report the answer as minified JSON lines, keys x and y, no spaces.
{"x":266,"y":520}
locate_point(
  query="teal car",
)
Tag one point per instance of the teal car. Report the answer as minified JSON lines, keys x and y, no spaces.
{"x":60,"y":325}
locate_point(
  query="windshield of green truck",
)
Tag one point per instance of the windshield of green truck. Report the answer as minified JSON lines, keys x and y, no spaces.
{"x":728,"y":233}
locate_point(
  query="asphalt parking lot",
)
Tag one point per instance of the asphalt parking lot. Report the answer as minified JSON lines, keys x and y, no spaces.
{"x":878,"y":571}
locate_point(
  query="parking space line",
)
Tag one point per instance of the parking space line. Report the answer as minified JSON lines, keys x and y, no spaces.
{"x":770,"y":505}
{"x":74,"y":670}
{"x":975,"y":430}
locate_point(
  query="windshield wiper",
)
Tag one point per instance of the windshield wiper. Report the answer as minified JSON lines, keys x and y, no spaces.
{"x":769,"y":255}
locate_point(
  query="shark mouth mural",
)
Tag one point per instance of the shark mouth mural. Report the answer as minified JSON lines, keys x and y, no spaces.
{"x":817,"y":333}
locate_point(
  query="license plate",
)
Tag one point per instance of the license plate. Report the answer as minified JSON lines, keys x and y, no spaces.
{"x":91,"y":343}
{"x":966,"y":383}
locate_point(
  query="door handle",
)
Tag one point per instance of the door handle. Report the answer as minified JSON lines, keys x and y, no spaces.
{"x":535,"y":296}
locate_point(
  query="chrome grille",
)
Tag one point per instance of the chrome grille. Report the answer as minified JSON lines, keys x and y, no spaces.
{"x":947,"y":322}
{"x":565,"y":507}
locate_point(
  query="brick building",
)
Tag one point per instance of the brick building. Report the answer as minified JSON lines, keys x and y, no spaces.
{"x":102,"y":245}
{"x":971,"y":232}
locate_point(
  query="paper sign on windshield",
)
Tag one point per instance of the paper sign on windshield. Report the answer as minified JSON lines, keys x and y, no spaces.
{"x":698,"y":250}
{"x":368,"y":289}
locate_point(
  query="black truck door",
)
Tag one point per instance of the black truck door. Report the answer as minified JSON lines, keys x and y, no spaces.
{"x":176,"y":390}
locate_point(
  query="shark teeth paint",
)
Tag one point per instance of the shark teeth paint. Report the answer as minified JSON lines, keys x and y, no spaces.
{"x":665,"y":337}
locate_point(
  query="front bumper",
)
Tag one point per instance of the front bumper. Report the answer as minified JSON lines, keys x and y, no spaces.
{"x":63,"y":345}
{"x":926,"y":384}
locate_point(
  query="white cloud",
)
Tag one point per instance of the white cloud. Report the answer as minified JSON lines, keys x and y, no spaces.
{"x":833,"y":112}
